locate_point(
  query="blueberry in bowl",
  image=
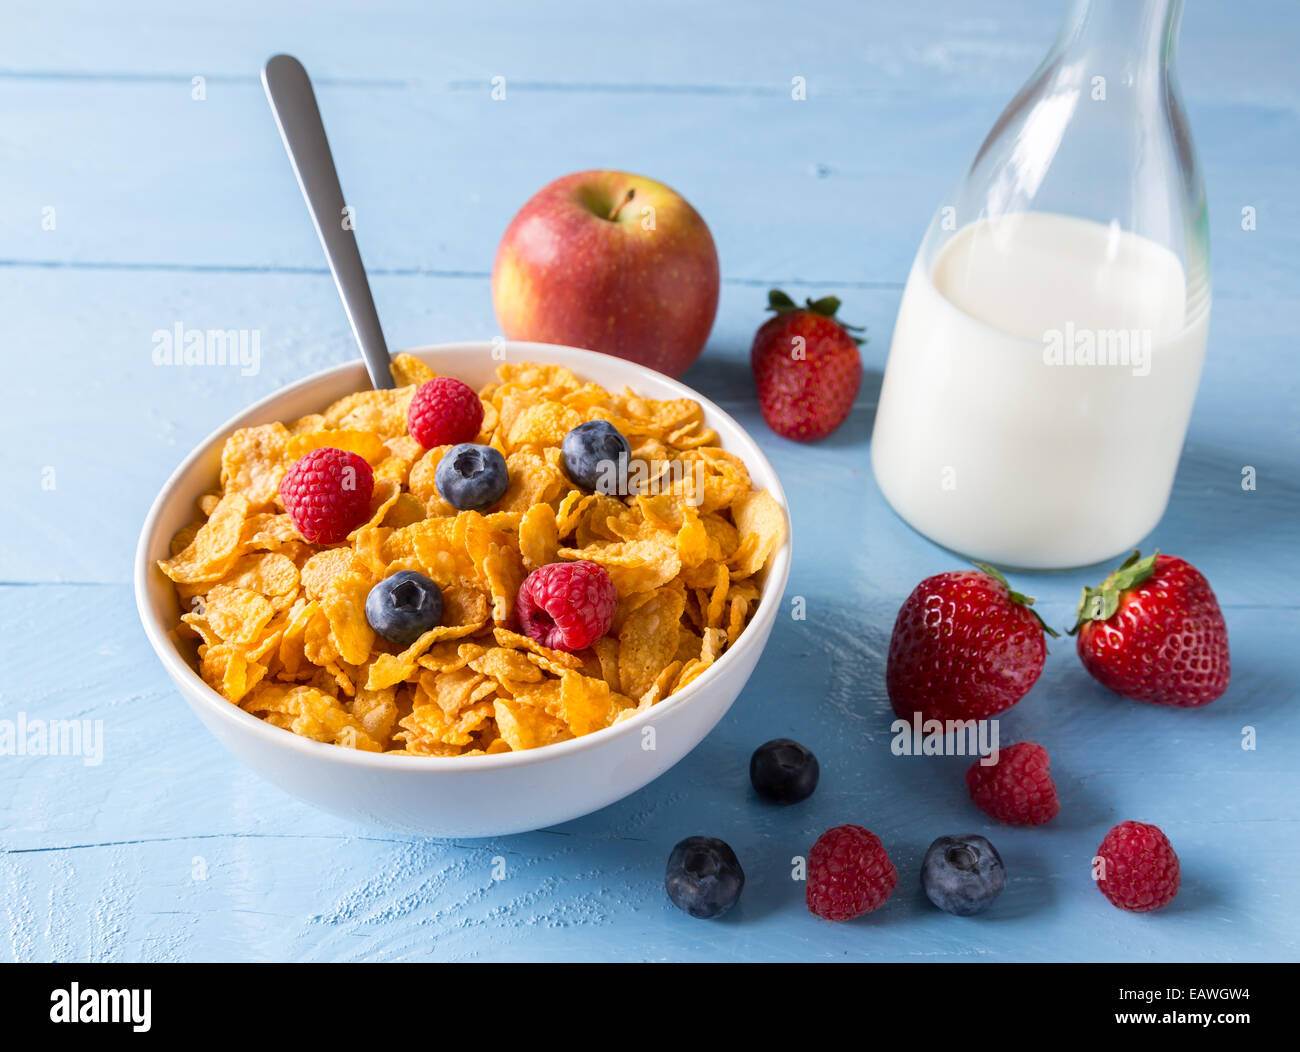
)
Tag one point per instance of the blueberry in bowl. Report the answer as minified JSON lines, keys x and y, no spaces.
{"x":596,"y":456}
{"x":470,"y":477}
{"x":401,"y":608}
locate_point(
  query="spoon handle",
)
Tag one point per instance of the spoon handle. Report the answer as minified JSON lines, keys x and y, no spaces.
{"x":289,"y":91}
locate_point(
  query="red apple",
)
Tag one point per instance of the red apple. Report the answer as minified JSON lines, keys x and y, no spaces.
{"x":611,"y":262}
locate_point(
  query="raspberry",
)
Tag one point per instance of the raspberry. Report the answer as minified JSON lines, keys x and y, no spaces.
{"x":567,"y":606}
{"x":1018,"y":789}
{"x":849,"y":874}
{"x":444,"y":412}
{"x":1136,"y":867}
{"x":327,"y":494}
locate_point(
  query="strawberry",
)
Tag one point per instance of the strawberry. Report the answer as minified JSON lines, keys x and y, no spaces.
{"x":806,"y":366}
{"x":1153,"y":631}
{"x":965,"y":647}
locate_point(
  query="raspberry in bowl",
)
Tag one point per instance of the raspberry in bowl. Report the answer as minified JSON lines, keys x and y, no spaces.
{"x":541,"y":733}
{"x":326,"y":493}
{"x":444,"y":411}
{"x":567,"y":606}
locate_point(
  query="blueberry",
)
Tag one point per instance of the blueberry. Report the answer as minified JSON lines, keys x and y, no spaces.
{"x":471,"y":477}
{"x":704,"y":877}
{"x":784,"y":771}
{"x":403,"y":607}
{"x":962,"y":874}
{"x":596,"y":456}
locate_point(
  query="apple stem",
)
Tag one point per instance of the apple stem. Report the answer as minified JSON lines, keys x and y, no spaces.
{"x":631,"y":193}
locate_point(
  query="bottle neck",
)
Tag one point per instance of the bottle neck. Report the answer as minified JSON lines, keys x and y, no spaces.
{"x":1146,"y":31}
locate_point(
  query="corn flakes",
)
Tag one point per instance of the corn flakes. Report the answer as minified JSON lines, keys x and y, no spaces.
{"x":279,"y":625}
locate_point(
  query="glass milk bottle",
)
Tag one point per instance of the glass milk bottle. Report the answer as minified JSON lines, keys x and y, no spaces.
{"x":1050,"y":337}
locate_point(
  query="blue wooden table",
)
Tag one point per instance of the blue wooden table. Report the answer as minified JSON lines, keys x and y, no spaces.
{"x":143,"y":185}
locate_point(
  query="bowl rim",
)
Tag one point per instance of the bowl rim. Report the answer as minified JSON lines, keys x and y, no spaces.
{"x":183,"y":675}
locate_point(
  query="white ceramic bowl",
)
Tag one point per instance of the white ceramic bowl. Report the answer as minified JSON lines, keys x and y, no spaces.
{"x":472,"y":796}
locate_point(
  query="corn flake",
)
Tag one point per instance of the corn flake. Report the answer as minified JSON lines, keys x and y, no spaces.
{"x":209,"y":556}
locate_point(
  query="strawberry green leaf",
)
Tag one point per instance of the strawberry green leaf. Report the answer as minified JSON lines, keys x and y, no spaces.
{"x":993,"y":572}
{"x":826,"y":306}
{"x":1101,"y":603}
{"x":780,"y":302}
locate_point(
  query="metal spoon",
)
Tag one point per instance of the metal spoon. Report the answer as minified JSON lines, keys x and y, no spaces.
{"x":289,"y":91}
